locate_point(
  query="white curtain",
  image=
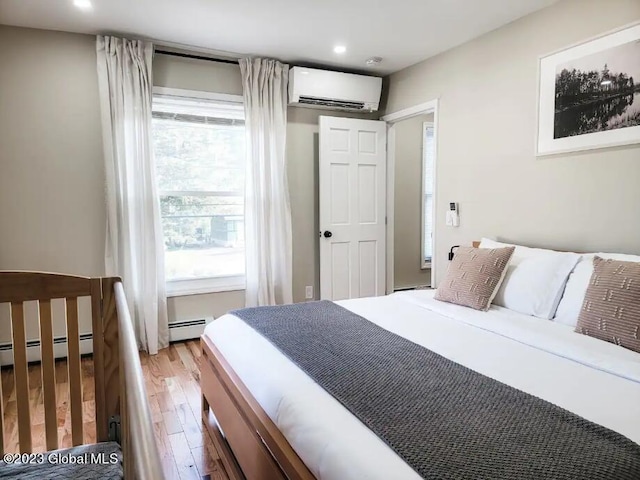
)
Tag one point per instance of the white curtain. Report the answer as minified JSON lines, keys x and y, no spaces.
{"x":267,"y":209}
{"x":134,"y":246}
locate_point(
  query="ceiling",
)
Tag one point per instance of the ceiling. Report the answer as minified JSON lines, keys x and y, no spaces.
{"x":402,"y":32}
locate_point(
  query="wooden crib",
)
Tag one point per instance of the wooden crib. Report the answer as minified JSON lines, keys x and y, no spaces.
{"x":121,"y":407}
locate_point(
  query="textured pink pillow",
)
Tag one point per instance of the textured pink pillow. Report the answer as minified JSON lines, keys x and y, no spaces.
{"x":474,"y":276}
{"x":611,"y":307}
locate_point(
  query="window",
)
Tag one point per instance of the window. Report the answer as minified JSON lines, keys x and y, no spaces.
{"x":199,"y":146}
{"x":428,"y":160}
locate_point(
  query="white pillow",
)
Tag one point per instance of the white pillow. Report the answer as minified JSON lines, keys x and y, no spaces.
{"x":577,"y":284}
{"x":535,"y":279}
{"x":574,"y":292}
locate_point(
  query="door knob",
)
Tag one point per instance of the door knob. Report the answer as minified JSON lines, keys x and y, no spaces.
{"x":327,"y":234}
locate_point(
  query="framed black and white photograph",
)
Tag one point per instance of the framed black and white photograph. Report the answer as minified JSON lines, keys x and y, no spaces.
{"x":589,"y":94}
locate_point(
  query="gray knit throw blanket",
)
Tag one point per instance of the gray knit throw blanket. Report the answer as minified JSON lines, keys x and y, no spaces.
{"x":446,"y":421}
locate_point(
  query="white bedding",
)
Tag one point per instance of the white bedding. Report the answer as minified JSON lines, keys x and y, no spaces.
{"x":594,"y":379}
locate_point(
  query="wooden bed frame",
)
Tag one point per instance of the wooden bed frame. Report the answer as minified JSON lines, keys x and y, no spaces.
{"x":250,"y":445}
{"x":121,"y":406}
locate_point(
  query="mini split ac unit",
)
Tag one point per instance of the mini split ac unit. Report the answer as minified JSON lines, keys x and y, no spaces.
{"x":310,"y":87}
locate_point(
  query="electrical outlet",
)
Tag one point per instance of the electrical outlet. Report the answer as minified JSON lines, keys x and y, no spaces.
{"x":308,"y":292}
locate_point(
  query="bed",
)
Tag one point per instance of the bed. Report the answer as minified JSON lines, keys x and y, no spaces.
{"x":271,"y":421}
{"x":126,"y":444}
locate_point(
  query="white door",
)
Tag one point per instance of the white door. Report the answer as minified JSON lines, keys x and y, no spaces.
{"x":352,"y":207}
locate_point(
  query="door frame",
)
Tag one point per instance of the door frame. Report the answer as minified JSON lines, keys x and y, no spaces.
{"x":391,"y":119}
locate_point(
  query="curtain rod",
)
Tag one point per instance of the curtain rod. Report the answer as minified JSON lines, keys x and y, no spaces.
{"x":196,"y":57}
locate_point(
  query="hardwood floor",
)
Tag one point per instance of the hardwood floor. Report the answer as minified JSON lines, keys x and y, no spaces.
{"x":172,"y":381}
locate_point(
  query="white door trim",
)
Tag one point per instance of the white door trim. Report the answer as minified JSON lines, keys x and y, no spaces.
{"x":423,"y":263}
{"x":391,"y":178}
{"x":427,"y":107}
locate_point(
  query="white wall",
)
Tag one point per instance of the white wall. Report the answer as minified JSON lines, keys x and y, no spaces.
{"x":407,"y":239}
{"x":486,"y":135}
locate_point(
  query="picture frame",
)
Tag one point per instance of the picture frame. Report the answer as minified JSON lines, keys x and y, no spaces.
{"x":589,"y":94}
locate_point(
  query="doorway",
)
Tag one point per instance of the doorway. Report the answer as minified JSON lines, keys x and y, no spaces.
{"x":411,"y":199}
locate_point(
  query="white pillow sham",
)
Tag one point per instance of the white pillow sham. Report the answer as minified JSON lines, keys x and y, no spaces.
{"x":569,"y":307}
{"x":535,"y":279}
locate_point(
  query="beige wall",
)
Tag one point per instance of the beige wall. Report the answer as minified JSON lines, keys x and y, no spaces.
{"x":407,"y":237}
{"x":51,"y":170}
{"x":52,"y":213}
{"x":486,"y":136}
{"x":302,"y":176}
{"x":191,"y":74}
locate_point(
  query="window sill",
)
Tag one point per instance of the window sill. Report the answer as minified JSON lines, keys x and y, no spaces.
{"x":426,"y":266}
{"x":199,"y":286}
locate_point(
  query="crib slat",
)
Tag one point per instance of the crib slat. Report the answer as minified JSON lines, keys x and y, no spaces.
{"x":48,"y":375}
{"x":21,"y":376}
{"x":111,"y":348}
{"x":102,"y":433}
{"x":75,"y":377}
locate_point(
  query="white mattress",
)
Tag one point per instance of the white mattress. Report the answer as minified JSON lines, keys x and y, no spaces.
{"x":596,"y":380}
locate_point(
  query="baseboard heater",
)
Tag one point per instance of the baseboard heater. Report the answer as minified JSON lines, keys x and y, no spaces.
{"x":179,"y":330}
{"x":33,"y":349}
{"x":415,"y":287}
{"x":187,"y":329}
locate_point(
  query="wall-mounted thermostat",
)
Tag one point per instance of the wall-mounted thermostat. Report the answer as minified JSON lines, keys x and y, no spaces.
{"x":453,"y":219}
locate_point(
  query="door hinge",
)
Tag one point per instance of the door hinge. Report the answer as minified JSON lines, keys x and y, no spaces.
{"x":114,"y":428}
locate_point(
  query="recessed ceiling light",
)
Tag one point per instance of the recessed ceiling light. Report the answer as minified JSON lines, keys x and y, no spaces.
{"x":339,"y":49}
{"x":83,"y":4}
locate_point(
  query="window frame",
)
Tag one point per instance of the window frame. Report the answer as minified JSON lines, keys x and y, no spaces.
{"x":202,"y":285}
{"x":424,"y":263}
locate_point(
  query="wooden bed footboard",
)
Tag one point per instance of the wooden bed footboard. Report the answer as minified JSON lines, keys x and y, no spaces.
{"x":250,"y":444}
{"x":121,"y":407}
